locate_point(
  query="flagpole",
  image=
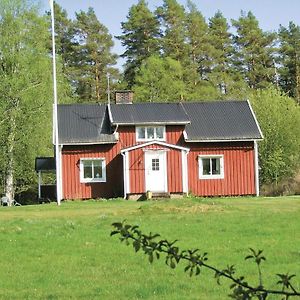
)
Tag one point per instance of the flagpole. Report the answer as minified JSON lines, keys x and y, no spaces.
{"x":55,"y":114}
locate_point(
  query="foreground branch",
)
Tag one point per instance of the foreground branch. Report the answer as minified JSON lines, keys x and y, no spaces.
{"x":195,"y":261}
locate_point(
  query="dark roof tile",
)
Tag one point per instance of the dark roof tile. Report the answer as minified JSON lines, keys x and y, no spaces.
{"x":148,"y":113}
{"x":221,"y":120}
{"x":84,"y":124}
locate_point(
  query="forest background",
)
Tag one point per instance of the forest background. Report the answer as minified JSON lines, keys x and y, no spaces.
{"x":172,"y":53}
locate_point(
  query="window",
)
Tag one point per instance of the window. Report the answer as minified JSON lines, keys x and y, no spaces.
{"x":155,"y":164}
{"x":211,"y":166}
{"x":148,"y":133}
{"x":92,"y":170}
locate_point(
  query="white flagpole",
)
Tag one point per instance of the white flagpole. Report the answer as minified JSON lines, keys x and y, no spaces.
{"x":55,"y":115}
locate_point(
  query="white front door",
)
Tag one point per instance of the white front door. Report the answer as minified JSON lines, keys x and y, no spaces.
{"x":156,"y":171}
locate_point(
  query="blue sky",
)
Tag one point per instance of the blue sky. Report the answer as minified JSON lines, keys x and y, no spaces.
{"x":111,"y":13}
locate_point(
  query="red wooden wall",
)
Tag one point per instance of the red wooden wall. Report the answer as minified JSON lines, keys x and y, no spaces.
{"x":137,"y":169}
{"x":74,"y":189}
{"x":239,"y":169}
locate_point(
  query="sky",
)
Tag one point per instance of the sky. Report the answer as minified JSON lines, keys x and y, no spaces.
{"x":270,"y":13}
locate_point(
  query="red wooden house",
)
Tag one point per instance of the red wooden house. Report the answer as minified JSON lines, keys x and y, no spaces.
{"x":203,"y":148}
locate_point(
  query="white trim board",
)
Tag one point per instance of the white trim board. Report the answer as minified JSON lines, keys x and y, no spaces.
{"x":154,"y":142}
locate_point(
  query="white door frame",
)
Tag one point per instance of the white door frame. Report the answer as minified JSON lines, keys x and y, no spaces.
{"x":163,"y":158}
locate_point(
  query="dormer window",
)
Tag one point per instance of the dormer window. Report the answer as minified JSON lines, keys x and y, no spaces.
{"x":148,"y":133}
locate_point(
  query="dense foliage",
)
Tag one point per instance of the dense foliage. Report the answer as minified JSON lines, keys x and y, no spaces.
{"x":171,"y":54}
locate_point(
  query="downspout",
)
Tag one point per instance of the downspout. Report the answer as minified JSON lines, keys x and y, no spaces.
{"x":256,"y":168}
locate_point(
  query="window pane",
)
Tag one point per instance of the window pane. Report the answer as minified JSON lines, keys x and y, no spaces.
{"x":141,"y":132}
{"x":216,"y":170}
{"x":205,"y":166}
{"x":97,"y":169}
{"x":150,"y":133}
{"x":87,"y":169}
{"x":159,"y":132}
{"x":155,"y":164}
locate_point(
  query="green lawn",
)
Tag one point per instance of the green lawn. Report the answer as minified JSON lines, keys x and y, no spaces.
{"x":50,"y":252}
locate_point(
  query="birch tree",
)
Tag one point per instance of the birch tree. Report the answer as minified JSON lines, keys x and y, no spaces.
{"x":25,"y":86}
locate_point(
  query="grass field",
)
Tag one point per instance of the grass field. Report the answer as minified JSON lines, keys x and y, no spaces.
{"x":50,"y":252}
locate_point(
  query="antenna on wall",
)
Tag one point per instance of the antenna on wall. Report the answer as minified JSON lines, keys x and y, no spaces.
{"x":108,"y":88}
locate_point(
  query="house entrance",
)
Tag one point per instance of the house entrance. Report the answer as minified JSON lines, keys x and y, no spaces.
{"x":156,"y":171}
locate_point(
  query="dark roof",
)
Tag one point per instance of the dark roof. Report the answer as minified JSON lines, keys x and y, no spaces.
{"x":221,"y":120}
{"x":205,"y":121}
{"x":45,"y":164}
{"x":148,"y":113}
{"x":84,"y":124}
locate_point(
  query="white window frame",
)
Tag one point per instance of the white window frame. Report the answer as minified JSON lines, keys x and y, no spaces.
{"x":149,"y":139}
{"x":84,"y":180}
{"x":211,"y":176}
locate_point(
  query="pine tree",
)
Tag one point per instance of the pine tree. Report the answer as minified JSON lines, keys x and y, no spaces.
{"x":63,"y":35}
{"x":290,"y":60}
{"x":91,"y":57}
{"x":254,"y":52}
{"x":222,"y":74}
{"x":172,"y":17}
{"x":198,"y":42}
{"x":140,"y":36}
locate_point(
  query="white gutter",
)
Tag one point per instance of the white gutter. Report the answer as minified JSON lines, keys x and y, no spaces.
{"x":221,"y":141}
{"x":151,"y":123}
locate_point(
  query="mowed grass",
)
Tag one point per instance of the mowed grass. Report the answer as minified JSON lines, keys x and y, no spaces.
{"x":66,"y":252}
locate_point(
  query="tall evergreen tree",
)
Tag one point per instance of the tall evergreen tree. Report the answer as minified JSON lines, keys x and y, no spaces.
{"x":91,"y":57}
{"x":63,"y":35}
{"x":172,"y":17}
{"x":222,"y":74}
{"x":198,"y":41}
{"x":290,"y":60}
{"x":25,"y":105}
{"x":140,"y":36}
{"x":254,"y":51}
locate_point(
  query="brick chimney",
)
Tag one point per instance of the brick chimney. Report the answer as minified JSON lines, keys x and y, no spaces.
{"x":124,"y":97}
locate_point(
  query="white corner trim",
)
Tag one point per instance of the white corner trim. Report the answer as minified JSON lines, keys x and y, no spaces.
{"x":255,"y":119}
{"x":127,"y":173}
{"x":126,"y":179}
{"x":184,"y":174}
{"x":256,"y":168}
{"x":60,"y":173}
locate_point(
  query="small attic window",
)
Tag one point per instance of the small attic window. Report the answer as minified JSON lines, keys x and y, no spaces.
{"x":149,"y":133}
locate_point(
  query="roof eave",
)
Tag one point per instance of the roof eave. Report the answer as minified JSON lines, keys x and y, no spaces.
{"x":151,"y":123}
{"x":221,"y":140}
{"x":87,"y":143}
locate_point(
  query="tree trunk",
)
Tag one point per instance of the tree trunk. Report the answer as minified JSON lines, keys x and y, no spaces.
{"x":9,"y":180}
{"x":97,"y":78}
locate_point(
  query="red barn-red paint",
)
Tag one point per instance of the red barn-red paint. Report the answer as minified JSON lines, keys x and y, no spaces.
{"x":123,"y":150}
